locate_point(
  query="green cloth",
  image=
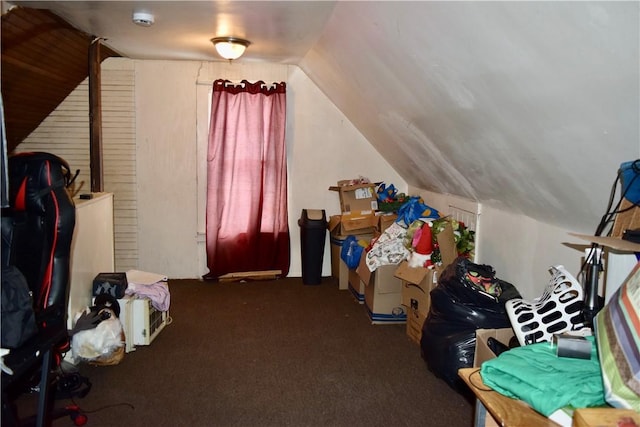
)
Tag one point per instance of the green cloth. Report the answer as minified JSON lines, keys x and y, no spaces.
{"x":535,"y":374}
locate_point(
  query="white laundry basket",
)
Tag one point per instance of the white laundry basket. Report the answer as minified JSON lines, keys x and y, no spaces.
{"x":558,"y":310}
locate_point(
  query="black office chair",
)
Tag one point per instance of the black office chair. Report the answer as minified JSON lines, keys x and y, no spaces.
{"x":37,"y":230}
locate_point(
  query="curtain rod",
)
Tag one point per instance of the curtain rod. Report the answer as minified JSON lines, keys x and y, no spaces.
{"x":210,"y":82}
{"x":235,"y":82}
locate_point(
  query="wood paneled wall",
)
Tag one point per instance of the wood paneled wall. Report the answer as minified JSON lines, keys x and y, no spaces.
{"x":65,"y":132}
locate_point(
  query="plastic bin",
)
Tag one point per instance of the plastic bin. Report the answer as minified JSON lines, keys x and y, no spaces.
{"x":313,"y":231}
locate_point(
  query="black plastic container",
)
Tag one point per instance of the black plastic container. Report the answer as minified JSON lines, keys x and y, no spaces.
{"x":313,"y":231}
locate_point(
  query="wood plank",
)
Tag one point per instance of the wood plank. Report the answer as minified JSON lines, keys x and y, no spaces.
{"x":250,"y":275}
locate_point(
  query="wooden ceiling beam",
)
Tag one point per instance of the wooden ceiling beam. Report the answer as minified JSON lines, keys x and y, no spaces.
{"x":95,"y":118}
{"x":43,"y":59}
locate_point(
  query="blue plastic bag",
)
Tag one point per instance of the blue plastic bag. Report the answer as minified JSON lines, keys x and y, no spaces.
{"x":351,"y":252}
{"x":386,"y":194}
{"x":629,"y":176}
{"x":415,"y":209}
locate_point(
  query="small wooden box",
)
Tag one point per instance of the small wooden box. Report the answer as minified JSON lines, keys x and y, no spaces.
{"x":605,"y":417}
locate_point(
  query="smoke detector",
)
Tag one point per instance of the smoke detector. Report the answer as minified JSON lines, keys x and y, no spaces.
{"x":143,"y":19}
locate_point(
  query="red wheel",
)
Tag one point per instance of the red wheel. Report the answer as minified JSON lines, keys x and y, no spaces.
{"x":79,"y":419}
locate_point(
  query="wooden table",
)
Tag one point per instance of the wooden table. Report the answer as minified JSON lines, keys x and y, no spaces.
{"x":506,"y":411}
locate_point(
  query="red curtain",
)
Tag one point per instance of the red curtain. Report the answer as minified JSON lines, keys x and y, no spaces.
{"x":247,"y":224}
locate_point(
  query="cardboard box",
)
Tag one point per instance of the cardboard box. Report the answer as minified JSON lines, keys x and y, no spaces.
{"x":342,"y":272}
{"x":383,"y":294}
{"x":482,"y":350}
{"x":415,"y":321}
{"x":356,"y":198}
{"x":605,"y":416}
{"x":345,"y":225}
{"x":360,"y":223}
{"x":356,"y":286}
{"x":358,"y":205}
{"x":340,"y":226}
{"x":339,"y":268}
{"x":447,"y":245}
{"x":627,"y":219}
{"x":417,"y":283}
{"x":384,"y":221}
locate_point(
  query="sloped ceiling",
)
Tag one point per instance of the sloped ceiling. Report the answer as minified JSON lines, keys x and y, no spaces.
{"x":528,"y":106}
{"x":43,"y":60}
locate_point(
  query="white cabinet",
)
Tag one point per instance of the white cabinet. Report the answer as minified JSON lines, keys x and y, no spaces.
{"x":92,"y":249}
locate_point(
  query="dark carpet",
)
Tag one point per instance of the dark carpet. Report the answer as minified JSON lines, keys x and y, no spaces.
{"x":271,"y":353}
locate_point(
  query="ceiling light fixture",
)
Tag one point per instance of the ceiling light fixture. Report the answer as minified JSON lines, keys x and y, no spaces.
{"x":230,"y":47}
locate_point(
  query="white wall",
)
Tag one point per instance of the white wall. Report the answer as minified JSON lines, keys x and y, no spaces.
{"x":522,"y":249}
{"x":322,"y":147}
{"x":166,"y":164}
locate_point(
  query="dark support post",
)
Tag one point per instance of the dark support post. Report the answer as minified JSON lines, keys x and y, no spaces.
{"x":95,"y":117}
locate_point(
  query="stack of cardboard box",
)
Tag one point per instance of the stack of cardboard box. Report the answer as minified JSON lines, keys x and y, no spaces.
{"x":337,"y":237}
{"x":392,"y":293}
{"x":358,"y":205}
{"x":417,"y":284}
{"x":350,"y":279}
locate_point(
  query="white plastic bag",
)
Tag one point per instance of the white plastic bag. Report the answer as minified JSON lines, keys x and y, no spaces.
{"x":100,"y":342}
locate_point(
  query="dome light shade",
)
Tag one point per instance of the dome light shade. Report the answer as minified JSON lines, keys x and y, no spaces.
{"x":230,"y":47}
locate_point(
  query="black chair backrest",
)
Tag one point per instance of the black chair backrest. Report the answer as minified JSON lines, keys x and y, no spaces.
{"x":37,"y":228}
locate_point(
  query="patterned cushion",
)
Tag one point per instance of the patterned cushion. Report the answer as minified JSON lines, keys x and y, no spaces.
{"x":617,"y":329}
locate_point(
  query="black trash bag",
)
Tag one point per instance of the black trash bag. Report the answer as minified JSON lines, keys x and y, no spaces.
{"x":460,"y":304}
{"x":457,"y":305}
{"x":445,"y":354}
